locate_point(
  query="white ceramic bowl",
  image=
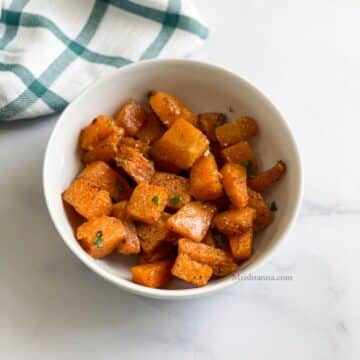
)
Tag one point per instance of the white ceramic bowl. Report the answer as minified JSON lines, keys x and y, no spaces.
{"x":203,"y":87}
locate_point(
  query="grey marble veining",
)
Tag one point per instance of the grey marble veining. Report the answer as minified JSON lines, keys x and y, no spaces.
{"x":305,"y":56}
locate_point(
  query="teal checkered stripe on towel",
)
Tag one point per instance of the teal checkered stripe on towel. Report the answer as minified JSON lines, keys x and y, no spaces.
{"x":49,"y":54}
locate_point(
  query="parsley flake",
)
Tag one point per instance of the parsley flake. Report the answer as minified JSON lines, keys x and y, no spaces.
{"x":273,"y":206}
{"x":248,"y":164}
{"x":175,"y":200}
{"x":99,"y":241}
{"x":155,"y":200}
{"x":220,"y":240}
{"x":218,"y":123}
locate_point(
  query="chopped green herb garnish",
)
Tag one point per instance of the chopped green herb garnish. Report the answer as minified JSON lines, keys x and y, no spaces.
{"x":155,"y":200}
{"x":99,"y":241}
{"x":175,"y":200}
{"x":219,"y":122}
{"x":220,"y":240}
{"x":273,"y":206}
{"x":119,"y":186}
{"x":248,"y":164}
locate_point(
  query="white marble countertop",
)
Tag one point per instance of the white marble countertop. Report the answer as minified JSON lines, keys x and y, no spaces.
{"x":305,"y":55}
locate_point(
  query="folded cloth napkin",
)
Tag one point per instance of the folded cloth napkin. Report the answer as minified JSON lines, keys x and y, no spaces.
{"x":50,"y":50}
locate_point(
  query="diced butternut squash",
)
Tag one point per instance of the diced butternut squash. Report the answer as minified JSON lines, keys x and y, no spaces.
{"x":191,"y":271}
{"x":101,"y":175}
{"x":135,"y":164}
{"x":99,"y":129}
{"x":265,"y":179}
{"x":177,"y":186}
{"x":234,"y":181}
{"x":151,"y":130}
{"x":241,"y":153}
{"x":100,"y":236}
{"x":152,"y":235}
{"x":236,"y":221}
{"x":220,"y":261}
{"x":131,"y":117}
{"x":88,"y":200}
{"x":241,"y":245}
{"x":235,"y":131}
{"x":169,"y":109}
{"x":147,"y":203}
{"x":264,"y":216}
{"x":130,"y":244}
{"x":106,"y":149}
{"x":192,"y":220}
{"x":143,"y":147}
{"x":209,"y":239}
{"x":154,"y":275}
{"x":164,"y":165}
{"x":164,"y":251}
{"x":208,"y":122}
{"x":182,"y":144}
{"x":205,"y":181}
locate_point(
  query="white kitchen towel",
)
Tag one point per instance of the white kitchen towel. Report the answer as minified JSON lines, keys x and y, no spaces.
{"x":50,"y":50}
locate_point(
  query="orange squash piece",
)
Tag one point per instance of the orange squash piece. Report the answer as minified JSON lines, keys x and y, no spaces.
{"x":143,"y":147}
{"x":131,"y":117}
{"x":99,"y":129}
{"x":100,"y":236}
{"x":265,"y":179}
{"x":235,"y":221}
{"x":192,"y":220}
{"x":130,"y":244}
{"x":191,"y":271}
{"x":135,"y":164}
{"x":89,"y":201}
{"x":205,"y":181}
{"x":264,"y":216}
{"x":165,"y":251}
{"x":147,"y":203}
{"x":151,"y":130}
{"x":154,"y":275}
{"x":234,"y":181}
{"x":169,"y":109}
{"x":241,"y":245}
{"x":208,"y":122}
{"x":101,"y":175}
{"x":182,"y":144}
{"x":235,"y":131}
{"x":240,"y":153}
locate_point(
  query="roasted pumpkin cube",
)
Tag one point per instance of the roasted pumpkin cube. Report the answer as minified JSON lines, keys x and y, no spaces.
{"x":235,"y":131}
{"x":192,"y":220}
{"x":234,"y":181}
{"x":220,"y":261}
{"x":152,"y":235}
{"x":165,"y":251}
{"x":147,"y":203}
{"x":99,"y":129}
{"x":131,"y":117}
{"x":235,"y":221}
{"x":242,"y":154}
{"x":181,"y":145}
{"x":264,"y":216}
{"x":151,"y":130}
{"x":241,"y":245}
{"x":101,"y":175}
{"x":178,"y":188}
{"x":130,"y":244}
{"x":88,"y":200}
{"x":265,"y":179}
{"x":208,"y":122}
{"x":100,"y":236}
{"x":154,"y":275}
{"x":135,"y":164}
{"x":205,"y":181}
{"x":106,"y":149}
{"x":169,"y":109}
{"x":143,"y":147}
{"x":191,"y":271}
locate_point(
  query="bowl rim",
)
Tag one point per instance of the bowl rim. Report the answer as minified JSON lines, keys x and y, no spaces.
{"x":176,"y":293}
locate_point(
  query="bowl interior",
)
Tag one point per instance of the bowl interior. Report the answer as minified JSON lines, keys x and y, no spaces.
{"x":204,"y":88}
